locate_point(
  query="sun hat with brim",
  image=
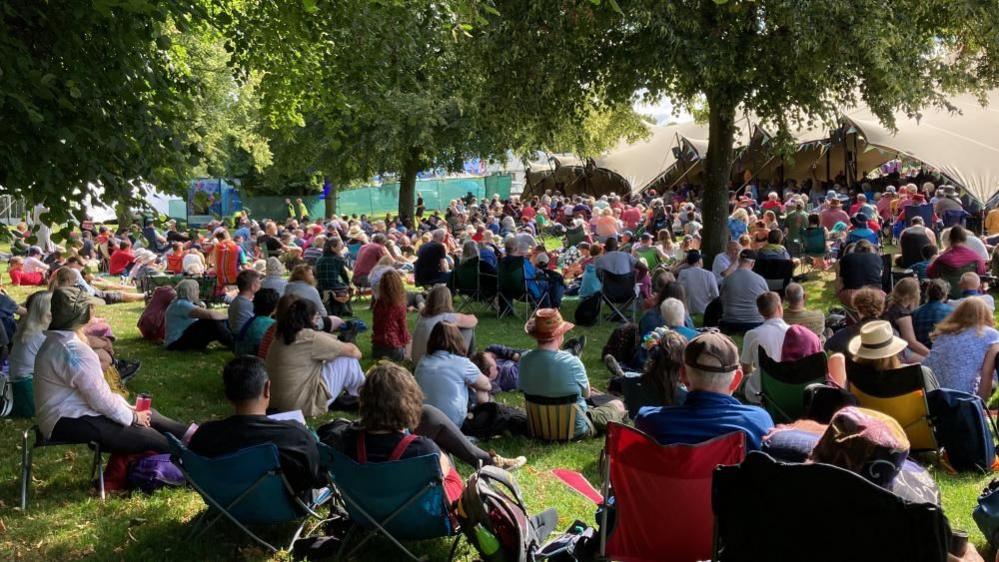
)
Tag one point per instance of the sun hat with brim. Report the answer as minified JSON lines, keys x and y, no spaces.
{"x":547,"y":324}
{"x":275,"y":267}
{"x":876,"y":340}
{"x":71,"y":308}
{"x":859,"y":220}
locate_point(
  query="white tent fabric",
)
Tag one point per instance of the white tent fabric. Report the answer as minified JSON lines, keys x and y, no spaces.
{"x":963,"y":146}
{"x":642,"y":162}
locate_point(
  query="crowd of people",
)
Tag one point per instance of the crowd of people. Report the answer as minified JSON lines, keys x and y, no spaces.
{"x":290,"y":287}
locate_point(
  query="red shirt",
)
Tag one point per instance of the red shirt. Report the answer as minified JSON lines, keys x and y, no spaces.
{"x":631,"y":216}
{"x":120,"y":260}
{"x":771,"y":205}
{"x":367,"y":258}
{"x":389,"y":329}
{"x":20,"y":277}
{"x":528,"y":213}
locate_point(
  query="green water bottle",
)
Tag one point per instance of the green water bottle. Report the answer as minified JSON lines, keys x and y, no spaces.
{"x":487,"y":541}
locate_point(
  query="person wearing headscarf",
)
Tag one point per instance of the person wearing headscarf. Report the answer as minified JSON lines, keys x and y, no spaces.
{"x":73,"y":401}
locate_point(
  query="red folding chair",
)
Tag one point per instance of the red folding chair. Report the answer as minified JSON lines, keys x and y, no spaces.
{"x":662,"y":495}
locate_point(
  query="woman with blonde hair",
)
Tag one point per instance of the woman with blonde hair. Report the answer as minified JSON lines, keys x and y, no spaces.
{"x":738,"y":223}
{"x":440,"y":308}
{"x":903,"y":300}
{"x":964,"y":350}
{"x":26,"y":342}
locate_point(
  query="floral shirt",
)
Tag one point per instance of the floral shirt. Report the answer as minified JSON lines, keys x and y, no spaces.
{"x":956,"y":359}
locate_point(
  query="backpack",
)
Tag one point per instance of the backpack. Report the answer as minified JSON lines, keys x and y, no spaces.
{"x":961,"y":426}
{"x":152,"y":323}
{"x":588,"y":310}
{"x":150,"y":473}
{"x":493,"y":517}
{"x":986,"y":514}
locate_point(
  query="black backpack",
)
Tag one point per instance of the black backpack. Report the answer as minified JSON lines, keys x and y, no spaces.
{"x":961,"y":425}
{"x":588,"y":311}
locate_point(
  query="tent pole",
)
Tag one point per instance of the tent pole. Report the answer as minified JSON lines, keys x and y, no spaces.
{"x":752,"y":177}
{"x":856,"y":160}
{"x":683,"y":175}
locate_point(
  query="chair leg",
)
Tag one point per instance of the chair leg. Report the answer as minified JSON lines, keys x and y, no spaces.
{"x":454,"y":548}
{"x":25,"y":470}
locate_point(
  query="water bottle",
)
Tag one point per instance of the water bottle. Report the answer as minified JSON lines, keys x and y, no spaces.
{"x":487,"y":541}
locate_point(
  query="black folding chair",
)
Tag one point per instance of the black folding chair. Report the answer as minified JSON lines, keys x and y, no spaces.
{"x":618,"y":292}
{"x":470,"y":284}
{"x":777,"y":273}
{"x":96,"y":469}
{"x":804,"y":501}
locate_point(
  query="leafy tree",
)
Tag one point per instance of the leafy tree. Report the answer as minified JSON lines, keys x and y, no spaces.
{"x":788,"y":61}
{"x":90,"y":95}
{"x":375,"y":86}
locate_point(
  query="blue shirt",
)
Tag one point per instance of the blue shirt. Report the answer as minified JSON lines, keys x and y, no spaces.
{"x":553,"y":374}
{"x":926,"y":317}
{"x":704,"y":416}
{"x":444,"y":378}
{"x":487,"y":255}
{"x":862,"y":234}
{"x":177,"y":319}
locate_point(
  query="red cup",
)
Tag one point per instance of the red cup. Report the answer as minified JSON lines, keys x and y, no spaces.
{"x":143,"y":402}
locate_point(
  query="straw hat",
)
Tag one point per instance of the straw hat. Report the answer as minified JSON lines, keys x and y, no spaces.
{"x":547,"y":324}
{"x":876,"y":341}
{"x":274,"y":266}
{"x":355,"y":232}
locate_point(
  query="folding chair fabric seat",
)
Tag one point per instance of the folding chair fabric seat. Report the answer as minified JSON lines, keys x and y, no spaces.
{"x":814,"y":240}
{"x":777,"y":273}
{"x":662,"y":495}
{"x":618,"y":292}
{"x":899,"y":393}
{"x":952,"y":275}
{"x":512,"y":287}
{"x":247,"y":487}
{"x":783,"y":384}
{"x":471,"y":284}
{"x":551,"y":419}
{"x":766,"y":511}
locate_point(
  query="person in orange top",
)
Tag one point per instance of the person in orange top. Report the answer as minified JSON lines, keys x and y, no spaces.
{"x":228,"y":258}
{"x":175,"y":259}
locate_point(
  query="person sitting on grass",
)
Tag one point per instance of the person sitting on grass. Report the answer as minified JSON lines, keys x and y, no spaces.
{"x":440,"y":308}
{"x":446,"y":375}
{"x":74,"y":402}
{"x":248,"y":388}
{"x":547,"y":371}
{"x":711,"y":372}
{"x":390,"y":337}
{"x":309,"y":368}
{"x":71,"y":275}
{"x":926,"y":317}
{"x":247,"y":341}
{"x":18,"y":275}
{"x":191,"y":326}
{"x":241,"y":307}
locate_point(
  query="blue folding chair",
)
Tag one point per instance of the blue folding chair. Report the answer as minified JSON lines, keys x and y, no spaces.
{"x":403,"y":500}
{"x":248,"y":488}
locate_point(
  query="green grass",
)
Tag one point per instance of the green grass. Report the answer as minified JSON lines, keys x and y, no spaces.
{"x":66,"y":522}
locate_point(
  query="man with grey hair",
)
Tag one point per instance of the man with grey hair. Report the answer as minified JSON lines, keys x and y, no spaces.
{"x":431,"y":265}
{"x":796,"y":313}
{"x":711,"y":373}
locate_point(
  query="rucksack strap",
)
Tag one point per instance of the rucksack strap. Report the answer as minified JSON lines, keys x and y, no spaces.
{"x":401,"y":446}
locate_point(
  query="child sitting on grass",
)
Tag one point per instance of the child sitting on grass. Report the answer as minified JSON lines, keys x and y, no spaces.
{"x":18,"y":276}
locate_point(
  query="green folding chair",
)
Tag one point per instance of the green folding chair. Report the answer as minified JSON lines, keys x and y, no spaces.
{"x":783,"y":384}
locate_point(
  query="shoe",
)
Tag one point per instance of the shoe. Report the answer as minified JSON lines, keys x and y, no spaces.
{"x":567,"y":345}
{"x":613,"y":366}
{"x":349,"y":330}
{"x":345,"y":403}
{"x":508,"y":464}
{"x":580,"y":344}
{"x":127,"y":369}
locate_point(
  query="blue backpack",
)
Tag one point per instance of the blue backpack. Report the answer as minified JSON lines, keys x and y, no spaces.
{"x":962,"y":427}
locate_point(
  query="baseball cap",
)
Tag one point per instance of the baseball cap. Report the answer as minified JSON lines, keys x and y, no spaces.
{"x":713,"y":352}
{"x":747,"y":254}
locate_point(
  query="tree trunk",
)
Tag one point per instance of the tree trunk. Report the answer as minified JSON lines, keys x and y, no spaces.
{"x":123,"y":212}
{"x":330,"y":198}
{"x":718,"y":168}
{"x":407,"y":187}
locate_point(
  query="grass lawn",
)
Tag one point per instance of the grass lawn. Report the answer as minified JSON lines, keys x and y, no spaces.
{"x":66,"y":522}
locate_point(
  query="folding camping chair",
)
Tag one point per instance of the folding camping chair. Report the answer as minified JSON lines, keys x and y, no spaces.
{"x":814,"y":242}
{"x":783,"y":384}
{"x":923,"y":211}
{"x":574,"y":235}
{"x":512,"y":286}
{"x":777,"y":273}
{"x":955,"y":217}
{"x":952,"y":275}
{"x":470,"y":284}
{"x":551,"y":419}
{"x":27,"y":452}
{"x":246,"y":487}
{"x":619,"y":293}
{"x":402,"y":500}
{"x":800,"y":504}
{"x":643,"y":477}
{"x":899,"y":393}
